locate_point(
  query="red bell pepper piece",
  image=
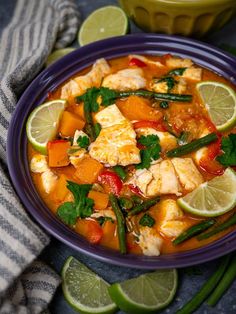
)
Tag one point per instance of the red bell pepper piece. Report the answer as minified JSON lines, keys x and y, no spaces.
{"x":112,"y":180}
{"x":137,"y":62}
{"x":157,"y":125}
{"x":95,"y":232}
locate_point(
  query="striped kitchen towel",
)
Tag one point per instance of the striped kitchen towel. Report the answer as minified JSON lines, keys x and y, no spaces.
{"x":36,"y":28}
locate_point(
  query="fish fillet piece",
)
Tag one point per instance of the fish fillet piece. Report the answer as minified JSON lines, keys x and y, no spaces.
{"x":128,"y":79}
{"x":116,"y":143}
{"x":49,"y":180}
{"x":188,"y":174}
{"x":170,"y":224}
{"x":39,"y":164}
{"x":150,"y":241}
{"x":175,"y":62}
{"x":78,"y":85}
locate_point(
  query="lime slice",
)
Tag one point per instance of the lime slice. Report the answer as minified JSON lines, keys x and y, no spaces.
{"x":220,"y":102}
{"x":212,"y":198}
{"x":146,"y":293}
{"x":43,"y":122}
{"x":57,"y":54}
{"x":84,"y":290}
{"x":105,"y":22}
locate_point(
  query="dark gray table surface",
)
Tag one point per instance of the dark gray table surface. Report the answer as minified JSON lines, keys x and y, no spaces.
{"x":190,"y":279}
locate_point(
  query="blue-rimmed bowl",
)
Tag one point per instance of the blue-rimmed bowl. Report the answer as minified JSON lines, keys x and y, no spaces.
{"x":203,"y":54}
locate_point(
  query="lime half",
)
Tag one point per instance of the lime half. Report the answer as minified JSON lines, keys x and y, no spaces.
{"x":212,"y":198}
{"x":220,"y":102}
{"x":57,"y":54}
{"x":84,"y":290}
{"x":108,"y":21}
{"x":146,"y":293}
{"x":43,"y":122}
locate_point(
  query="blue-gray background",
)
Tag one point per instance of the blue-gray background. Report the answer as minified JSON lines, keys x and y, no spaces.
{"x":190,"y":279}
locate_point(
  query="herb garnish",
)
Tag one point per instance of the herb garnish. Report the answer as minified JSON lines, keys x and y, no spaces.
{"x":81,"y":207}
{"x":151,"y":152}
{"x":83,"y":141}
{"x":147,"y":221}
{"x":228,"y":146}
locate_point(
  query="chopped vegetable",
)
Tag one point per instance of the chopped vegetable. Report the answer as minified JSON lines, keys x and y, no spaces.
{"x":179,"y":72}
{"x":125,"y":203}
{"x":97,"y":129}
{"x":151,"y":152}
{"x":147,"y":221}
{"x":100,"y":199}
{"x":121,"y":172}
{"x":60,"y":191}
{"x":112,"y":180}
{"x":69,"y":123}
{"x":224,"y":284}
{"x":58,"y":153}
{"x":137,"y":62}
{"x":193,"y":146}
{"x":90,"y":229}
{"x":143,"y":206}
{"x":88,"y":170}
{"x":164,"y":104}
{"x":83,"y":141}
{"x":228,"y":146}
{"x":81,"y":207}
{"x":194,"y":230}
{"x":206,"y":289}
{"x":219,"y":228}
{"x":120,"y":223}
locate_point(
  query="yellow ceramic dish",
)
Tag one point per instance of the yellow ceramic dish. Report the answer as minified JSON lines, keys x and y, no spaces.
{"x":182,"y":17}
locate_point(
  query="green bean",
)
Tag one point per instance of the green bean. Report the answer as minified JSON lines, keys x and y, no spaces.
{"x":144,"y":206}
{"x":89,"y":121}
{"x":224,"y":283}
{"x":120,"y":223}
{"x":121,"y":172}
{"x":206,"y":289}
{"x":194,"y":230}
{"x":125,"y":203}
{"x":161,"y":96}
{"x":136,"y":199}
{"x":97,"y":129}
{"x":221,"y":227}
{"x":194,"y":145}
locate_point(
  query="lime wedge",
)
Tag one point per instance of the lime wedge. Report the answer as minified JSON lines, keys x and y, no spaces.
{"x":212,"y":198}
{"x":84,"y":290}
{"x":57,"y":54}
{"x":43,"y":122}
{"x":108,"y":21}
{"x":146,"y":293}
{"x":220,"y":102}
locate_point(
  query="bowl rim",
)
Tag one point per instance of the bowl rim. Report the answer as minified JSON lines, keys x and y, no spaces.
{"x":221,"y":62}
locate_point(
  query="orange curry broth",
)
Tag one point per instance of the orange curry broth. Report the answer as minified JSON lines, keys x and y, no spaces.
{"x":179,"y":114}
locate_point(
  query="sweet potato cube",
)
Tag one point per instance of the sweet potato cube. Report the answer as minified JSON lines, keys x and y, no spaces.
{"x":60,"y":191}
{"x":87,"y":170}
{"x":79,"y":110}
{"x":57,"y":153}
{"x":138,"y":108}
{"x":70,"y":122}
{"x":100,"y":199}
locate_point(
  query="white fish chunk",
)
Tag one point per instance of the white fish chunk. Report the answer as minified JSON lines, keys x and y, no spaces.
{"x":169,"y":181}
{"x":127,"y":79}
{"x":150,"y":241}
{"x":159,"y":87}
{"x":78,"y":85}
{"x":49,"y":180}
{"x":116,"y":143}
{"x":171,"y":224}
{"x":192,"y":73}
{"x":175,"y":62}
{"x":188,"y":174}
{"x":167,"y":140}
{"x":39,"y":164}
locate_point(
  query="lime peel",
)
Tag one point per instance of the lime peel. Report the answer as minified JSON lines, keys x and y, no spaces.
{"x":212,"y":198}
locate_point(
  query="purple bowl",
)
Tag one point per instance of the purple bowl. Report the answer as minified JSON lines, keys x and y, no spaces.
{"x":201,"y":53}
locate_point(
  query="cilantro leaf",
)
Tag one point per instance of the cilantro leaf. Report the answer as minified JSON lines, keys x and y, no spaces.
{"x":228,"y":146}
{"x":108,"y":96}
{"x":81,"y":207}
{"x":179,"y":71}
{"x":151,"y":152}
{"x":147,"y":221}
{"x":67,"y":213}
{"x":83,"y":141}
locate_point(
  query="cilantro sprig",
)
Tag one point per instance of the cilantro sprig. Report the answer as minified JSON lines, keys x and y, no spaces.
{"x":83,"y":141}
{"x":150,"y":152}
{"x":228,"y":146}
{"x":147,"y":221}
{"x":81,"y":207}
